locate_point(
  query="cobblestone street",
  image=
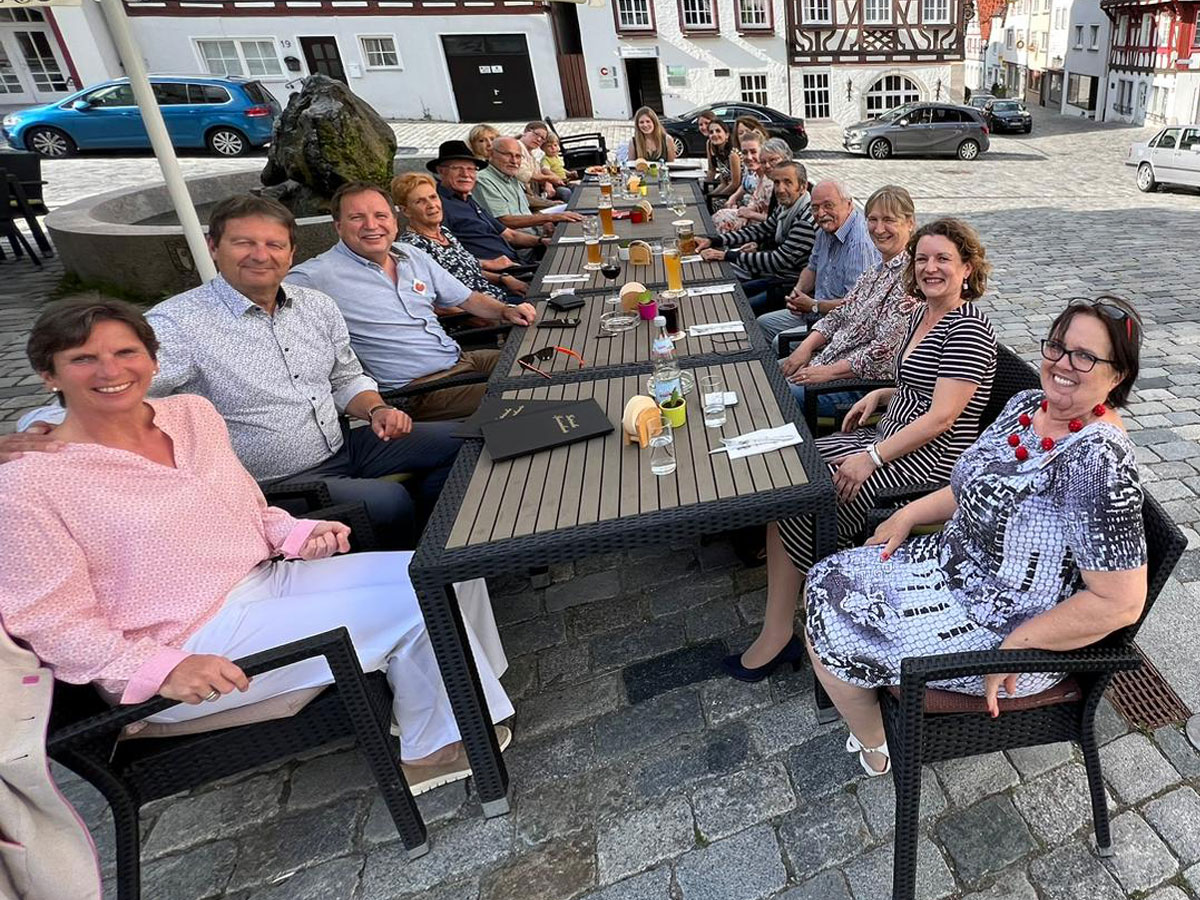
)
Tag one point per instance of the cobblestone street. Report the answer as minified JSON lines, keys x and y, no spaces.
{"x":636,"y":782}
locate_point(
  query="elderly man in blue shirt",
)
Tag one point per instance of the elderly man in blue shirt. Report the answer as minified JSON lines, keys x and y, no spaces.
{"x":276,"y":362}
{"x":389,"y":294}
{"x":843,"y":251}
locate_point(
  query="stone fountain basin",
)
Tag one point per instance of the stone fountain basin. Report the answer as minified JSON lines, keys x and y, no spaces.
{"x":129,"y":240}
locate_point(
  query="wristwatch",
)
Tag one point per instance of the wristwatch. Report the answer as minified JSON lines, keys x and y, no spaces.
{"x":816,"y":308}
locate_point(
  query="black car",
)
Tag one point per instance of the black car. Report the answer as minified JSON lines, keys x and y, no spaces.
{"x":690,"y":142}
{"x":1008,"y":115}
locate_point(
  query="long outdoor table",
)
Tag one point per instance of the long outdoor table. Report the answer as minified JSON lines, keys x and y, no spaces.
{"x":586,"y":197}
{"x":599,"y":496}
{"x":568,"y":259}
{"x":629,"y":348}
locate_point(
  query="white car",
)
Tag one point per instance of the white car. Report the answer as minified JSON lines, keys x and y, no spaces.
{"x":1170,"y":157}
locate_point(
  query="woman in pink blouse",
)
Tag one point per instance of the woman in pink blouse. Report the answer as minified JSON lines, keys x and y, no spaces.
{"x":141,"y":555}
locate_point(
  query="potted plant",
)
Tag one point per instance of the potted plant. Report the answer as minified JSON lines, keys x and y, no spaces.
{"x":647,"y":305}
{"x":623,"y":249}
{"x":675,"y":409}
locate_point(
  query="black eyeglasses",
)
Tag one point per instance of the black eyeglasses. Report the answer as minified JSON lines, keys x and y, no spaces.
{"x":1080,"y":360}
{"x":1106,"y":307}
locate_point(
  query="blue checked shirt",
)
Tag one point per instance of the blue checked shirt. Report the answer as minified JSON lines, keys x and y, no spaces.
{"x":839,"y":258}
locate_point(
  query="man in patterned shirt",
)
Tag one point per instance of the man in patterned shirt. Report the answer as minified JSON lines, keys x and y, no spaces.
{"x":842,"y":251}
{"x":388,"y":293}
{"x":276,"y":362}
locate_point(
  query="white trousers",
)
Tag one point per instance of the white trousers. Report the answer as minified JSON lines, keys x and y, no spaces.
{"x":371,"y":595}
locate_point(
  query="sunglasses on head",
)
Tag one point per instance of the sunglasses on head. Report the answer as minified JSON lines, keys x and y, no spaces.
{"x":1108,"y":306}
{"x":530,"y":360}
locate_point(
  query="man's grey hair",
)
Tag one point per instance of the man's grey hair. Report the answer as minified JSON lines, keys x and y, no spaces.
{"x":503,"y":139}
{"x":778,"y":147}
{"x":840,"y":187}
{"x":797,"y":167}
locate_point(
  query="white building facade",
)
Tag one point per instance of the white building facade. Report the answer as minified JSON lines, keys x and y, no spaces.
{"x":1085,"y":68}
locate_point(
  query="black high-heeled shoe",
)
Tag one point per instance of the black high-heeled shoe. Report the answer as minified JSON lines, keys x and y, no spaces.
{"x":792,"y":652}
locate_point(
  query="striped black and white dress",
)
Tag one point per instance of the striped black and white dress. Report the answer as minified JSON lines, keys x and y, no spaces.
{"x":960,"y":346}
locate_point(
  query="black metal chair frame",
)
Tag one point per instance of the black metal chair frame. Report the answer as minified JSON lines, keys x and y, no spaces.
{"x":916,"y":737}
{"x":12,"y":191}
{"x":581,"y":150}
{"x":84,"y":732}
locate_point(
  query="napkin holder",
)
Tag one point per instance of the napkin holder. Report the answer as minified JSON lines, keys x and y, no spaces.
{"x":647,"y":209}
{"x":639,"y":253}
{"x":640,"y":421}
{"x":630,"y":294}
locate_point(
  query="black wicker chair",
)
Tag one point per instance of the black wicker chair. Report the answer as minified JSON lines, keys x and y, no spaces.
{"x":84,"y":732}
{"x":581,"y":150}
{"x":925,"y":725}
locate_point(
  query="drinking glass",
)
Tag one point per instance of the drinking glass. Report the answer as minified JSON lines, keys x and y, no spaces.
{"x":674,"y":267}
{"x":668,"y":308}
{"x":591,"y":239}
{"x":685,"y":236}
{"x":604,"y":208}
{"x":611,"y":267}
{"x":606,"y":185}
{"x":662,"y":448}
{"x":678,"y":204}
{"x":712,"y":390}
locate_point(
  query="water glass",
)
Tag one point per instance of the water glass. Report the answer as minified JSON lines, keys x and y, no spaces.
{"x":712,"y":389}
{"x":662,"y":448}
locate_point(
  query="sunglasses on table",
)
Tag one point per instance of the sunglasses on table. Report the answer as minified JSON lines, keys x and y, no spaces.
{"x":530,"y":360}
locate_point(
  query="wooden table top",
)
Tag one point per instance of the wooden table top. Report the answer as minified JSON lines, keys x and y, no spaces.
{"x":660,"y":227}
{"x":587,"y":195}
{"x":569,"y":259}
{"x":604,"y":479}
{"x":628,"y":347}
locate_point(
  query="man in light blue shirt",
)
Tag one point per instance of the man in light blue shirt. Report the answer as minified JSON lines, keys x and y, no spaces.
{"x":842,"y":252}
{"x":388,"y":294}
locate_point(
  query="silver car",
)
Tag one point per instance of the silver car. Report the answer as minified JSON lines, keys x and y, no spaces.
{"x":1170,"y":157}
{"x":920,"y":128}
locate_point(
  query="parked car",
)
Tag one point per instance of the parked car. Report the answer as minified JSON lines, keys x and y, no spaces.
{"x":685,"y":131}
{"x":1008,"y":115}
{"x":920,"y":128}
{"x":980,"y":99}
{"x":1170,"y":157}
{"x":228,"y":115}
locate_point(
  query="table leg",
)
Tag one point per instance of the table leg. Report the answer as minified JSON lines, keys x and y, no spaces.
{"x":443,"y":621}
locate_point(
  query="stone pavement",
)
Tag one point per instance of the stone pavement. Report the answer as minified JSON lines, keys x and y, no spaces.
{"x":637,"y":774}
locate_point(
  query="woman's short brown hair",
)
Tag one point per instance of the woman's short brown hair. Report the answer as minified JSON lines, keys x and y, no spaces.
{"x":970,"y":250}
{"x":66,"y":324}
{"x":403,"y":185}
{"x":892,"y":200}
{"x":245,"y":206}
{"x":1124,"y":333}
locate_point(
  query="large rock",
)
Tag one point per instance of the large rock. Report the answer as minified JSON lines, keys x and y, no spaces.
{"x":326,"y":137}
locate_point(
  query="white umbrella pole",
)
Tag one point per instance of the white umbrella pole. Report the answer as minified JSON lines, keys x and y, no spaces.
{"x":135,"y":68}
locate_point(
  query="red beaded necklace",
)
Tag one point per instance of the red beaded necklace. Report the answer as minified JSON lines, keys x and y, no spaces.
{"x":1025,"y":420}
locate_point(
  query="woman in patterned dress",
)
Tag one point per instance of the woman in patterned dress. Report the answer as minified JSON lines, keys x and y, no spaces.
{"x":1043,"y":546}
{"x":747,"y":204}
{"x":416,"y":195}
{"x":724,"y":161}
{"x":141,"y":555}
{"x":943,"y":382}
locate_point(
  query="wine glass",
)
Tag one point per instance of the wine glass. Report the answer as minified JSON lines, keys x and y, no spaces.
{"x":678,"y":205}
{"x":611,"y":267}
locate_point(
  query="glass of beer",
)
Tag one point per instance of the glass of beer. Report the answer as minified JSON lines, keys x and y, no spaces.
{"x":591,"y":240}
{"x":606,"y":185}
{"x":604,"y":208}
{"x":671,"y":261}
{"x":685,"y":236}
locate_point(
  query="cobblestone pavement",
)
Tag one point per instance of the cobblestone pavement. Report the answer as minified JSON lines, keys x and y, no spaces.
{"x":633,"y":785}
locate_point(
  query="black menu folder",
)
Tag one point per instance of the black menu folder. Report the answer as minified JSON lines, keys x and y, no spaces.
{"x":543,"y":430}
{"x":494,"y":409}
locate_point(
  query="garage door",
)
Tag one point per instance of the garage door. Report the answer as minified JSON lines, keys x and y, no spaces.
{"x":491,"y":76}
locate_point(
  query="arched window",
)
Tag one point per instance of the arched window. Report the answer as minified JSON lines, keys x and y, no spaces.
{"x":889,"y":92}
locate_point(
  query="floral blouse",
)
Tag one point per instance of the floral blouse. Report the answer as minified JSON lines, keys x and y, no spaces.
{"x":869,"y":329}
{"x":455,"y":259}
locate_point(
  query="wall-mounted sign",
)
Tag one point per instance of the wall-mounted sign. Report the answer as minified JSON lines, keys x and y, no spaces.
{"x":628,"y":52}
{"x":677,"y":76}
{"x":608,"y":77}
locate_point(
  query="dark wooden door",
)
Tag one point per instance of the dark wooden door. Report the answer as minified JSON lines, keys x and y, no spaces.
{"x":644,"y":86}
{"x":491,"y":76}
{"x":321,"y":54}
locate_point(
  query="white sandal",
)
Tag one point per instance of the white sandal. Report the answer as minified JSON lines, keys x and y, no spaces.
{"x":853,"y":745}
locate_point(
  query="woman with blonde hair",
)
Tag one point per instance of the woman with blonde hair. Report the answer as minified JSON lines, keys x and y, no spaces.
{"x":650,"y":140}
{"x":480,"y":139}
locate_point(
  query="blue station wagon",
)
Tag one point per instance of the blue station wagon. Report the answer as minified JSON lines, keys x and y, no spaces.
{"x":228,"y":115}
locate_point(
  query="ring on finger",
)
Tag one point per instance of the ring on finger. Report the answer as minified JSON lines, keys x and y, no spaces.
{"x":212,"y":696}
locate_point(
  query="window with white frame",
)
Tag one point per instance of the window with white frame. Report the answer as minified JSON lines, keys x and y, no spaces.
{"x":816,"y":95}
{"x":889,"y":92}
{"x":818,"y":12}
{"x":1164,"y":29}
{"x":698,"y":15}
{"x":1078,"y":37}
{"x":754,"y":89}
{"x":1123,"y":31}
{"x":379,"y":51}
{"x":1008,"y":39}
{"x":753,"y":14}
{"x":252,"y":57}
{"x":935,"y":11}
{"x":1143,"y":38}
{"x":634,"y":15}
{"x":1095,"y":44}
{"x":877,"y":12}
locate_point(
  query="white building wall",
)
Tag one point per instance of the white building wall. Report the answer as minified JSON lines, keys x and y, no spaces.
{"x":741,"y":54}
{"x":420,"y":89}
{"x":85,"y":34}
{"x":1084,"y":60}
{"x":1143,"y":85}
{"x":1187,"y":95}
{"x":849,"y":84}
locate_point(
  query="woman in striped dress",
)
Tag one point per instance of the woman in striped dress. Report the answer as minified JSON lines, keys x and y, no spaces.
{"x":943,"y":382}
